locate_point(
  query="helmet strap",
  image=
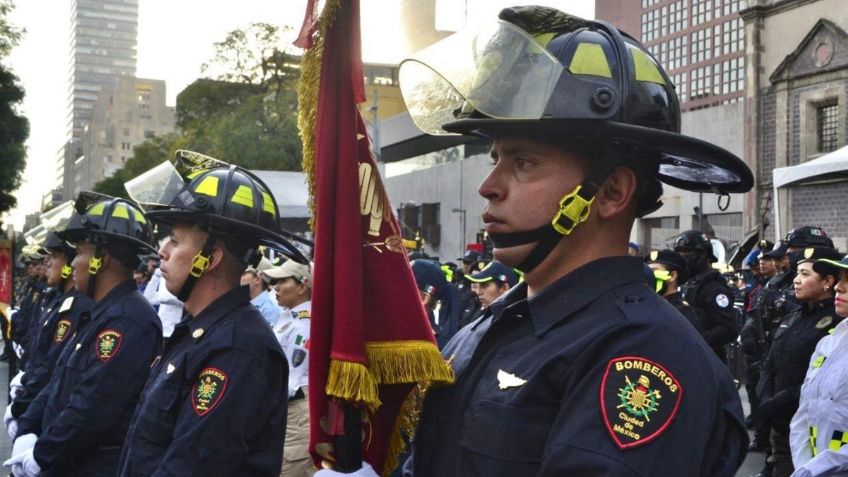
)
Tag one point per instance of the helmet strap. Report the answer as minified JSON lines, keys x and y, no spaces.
{"x":574,"y":209}
{"x":95,"y":263}
{"x":199,"y":265}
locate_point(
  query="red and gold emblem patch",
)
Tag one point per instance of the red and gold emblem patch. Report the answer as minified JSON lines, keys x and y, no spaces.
{"x":107,"y":344}
{"x":208,"y":390}
{"x":61,"y":331}
{"x":639,"y":399}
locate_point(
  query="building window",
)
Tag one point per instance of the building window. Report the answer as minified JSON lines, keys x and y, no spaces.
{"x":827,"y":127}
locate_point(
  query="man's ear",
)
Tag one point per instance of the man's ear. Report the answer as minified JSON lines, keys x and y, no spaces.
{"x":617,"y":193}
{"x":216,"y":258}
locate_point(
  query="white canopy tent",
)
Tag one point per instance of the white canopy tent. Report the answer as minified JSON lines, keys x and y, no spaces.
{"x":830,"y":167}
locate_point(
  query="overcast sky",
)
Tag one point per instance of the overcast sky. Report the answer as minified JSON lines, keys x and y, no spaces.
{"x":175,"y":37}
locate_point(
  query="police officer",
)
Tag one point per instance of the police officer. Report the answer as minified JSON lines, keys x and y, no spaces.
{"x":76,"y":425}
{"x":581,"y":117}
{"x":59,"y":322}
{"x":258,"y":283}
{"x":777,"y":298}
{"x":292,"y":284}
{"x":707,"y":292}
{"x":215,"y":401}
{"x":670,"y":270}
{"x":494,"y":280}
{"x":468,"y":302}
{"x":32,"y":296}
{"x":437,"y":293}
{"x":794,"y":341}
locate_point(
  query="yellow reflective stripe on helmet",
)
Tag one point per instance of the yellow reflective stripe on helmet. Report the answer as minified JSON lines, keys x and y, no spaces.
{"x":208,"y":186}
{"x":646,"y":69}
{"x":139,"y":217}
{"x":589,"y":59}
{"x":120,"y":211}
{"x":196,"y":173}
{"x":268,"y":203}
{"x":243,"y":195}
{"x":97,"y":209}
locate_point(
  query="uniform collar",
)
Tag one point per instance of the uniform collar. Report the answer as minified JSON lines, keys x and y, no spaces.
{"x":216,"y":310}
{"x":115,"y":295}
{"x":305,"y":306}
{"x":571,"y":292}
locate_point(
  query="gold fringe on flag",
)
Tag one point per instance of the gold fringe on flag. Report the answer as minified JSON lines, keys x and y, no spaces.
{"x":353,"y":382}
{"x":307,"y":98}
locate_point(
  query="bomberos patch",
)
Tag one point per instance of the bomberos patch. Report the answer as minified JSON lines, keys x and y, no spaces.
{"x":107,"y":344}
{"x":208,"y":390}
{"x":639,"y":399}
{"x":61,"y":331}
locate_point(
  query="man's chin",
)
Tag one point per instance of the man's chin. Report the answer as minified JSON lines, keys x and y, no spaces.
{"x":513,"y":256}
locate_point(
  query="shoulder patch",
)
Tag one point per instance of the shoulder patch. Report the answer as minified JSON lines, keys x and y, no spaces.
{"x":208,"y":390}
{"x":107,"y":344}
{"x":824,"y":322}
{"x":298,"y":356}
{"x":721,"y":300}
{"x":66,"y":305}
{"x":303,"y":314}
{"x":61,"y":331}
{"x":639,"y":399}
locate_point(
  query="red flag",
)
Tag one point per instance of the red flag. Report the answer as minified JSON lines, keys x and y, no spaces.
{"x":371,"y":343}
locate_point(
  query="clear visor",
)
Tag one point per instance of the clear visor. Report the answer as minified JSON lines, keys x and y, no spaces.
{"x":157,"y":187}
{"x":35,"y":236}
{"x":56,"y":219}
{"x":498,"y":70}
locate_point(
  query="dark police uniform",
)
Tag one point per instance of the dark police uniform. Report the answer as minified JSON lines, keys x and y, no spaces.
{"x":59,"y":324}
{"x":215,"y":402}
{"x":708,"y":293}
{"x":777,"y":301}
{"x":676,"y":300}
{"x":82,"y":415}
{"x":595,"y":375}
{"x":785,"y":366}
{"x":22,"y":321}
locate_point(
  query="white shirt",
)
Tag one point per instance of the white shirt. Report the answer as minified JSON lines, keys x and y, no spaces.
{"x":293,"y":333}
{"x":269,"y":309}
{"x":823,"y":410}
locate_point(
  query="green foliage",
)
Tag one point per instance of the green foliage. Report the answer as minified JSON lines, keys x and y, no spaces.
{"x":246,"y":116}
{"x":14,"y":128}
{"x":9,"y":34}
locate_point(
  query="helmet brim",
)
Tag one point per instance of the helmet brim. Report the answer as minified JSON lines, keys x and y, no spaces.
{"x":75,"y":236}
{"x":264,"y":236}
{"x":684,"y":162}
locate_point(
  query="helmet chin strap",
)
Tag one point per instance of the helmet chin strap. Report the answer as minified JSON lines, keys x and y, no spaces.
{"x":574,"y":209}
{"x":199,"y":264}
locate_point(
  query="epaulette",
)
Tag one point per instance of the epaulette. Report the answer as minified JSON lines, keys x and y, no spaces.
{"x":303,"y":314}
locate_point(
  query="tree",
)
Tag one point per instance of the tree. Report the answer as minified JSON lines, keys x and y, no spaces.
{"x":254,"y":56}
{"x":14,"y":128}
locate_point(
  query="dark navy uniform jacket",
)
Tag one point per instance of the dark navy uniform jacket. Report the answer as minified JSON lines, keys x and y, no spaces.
{"x":58,"y":325}
{"x":595,"y":375}
{"x":82,"y":415}
{"x":785,"y":366}
{"x":215,"y":403}
{"x":712,"y":300}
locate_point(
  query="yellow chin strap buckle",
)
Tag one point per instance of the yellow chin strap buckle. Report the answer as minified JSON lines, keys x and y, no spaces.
{"x":199,"y":264}
{"x":94,"y":264}
{"x":661,"y":276}
{"x":66,"y":271}
{"x":573,"y":210}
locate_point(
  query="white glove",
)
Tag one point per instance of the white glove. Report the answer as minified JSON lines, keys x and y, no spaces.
{"x":10,"y":422}
{"x":24,"y":465}
{"x":365,"y":471}
{"x":15,"y":385}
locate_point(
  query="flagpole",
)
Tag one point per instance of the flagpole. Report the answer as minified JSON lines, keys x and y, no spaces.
{"x":349,"y":444}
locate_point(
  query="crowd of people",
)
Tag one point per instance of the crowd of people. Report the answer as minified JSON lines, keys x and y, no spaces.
{"x":570,"y":356}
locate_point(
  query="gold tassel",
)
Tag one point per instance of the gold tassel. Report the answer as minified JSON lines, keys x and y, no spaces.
{"x":396,"y":362}
{"x":351,"y":381}
{"x":307,"y":96}
{"x":405,"y":424}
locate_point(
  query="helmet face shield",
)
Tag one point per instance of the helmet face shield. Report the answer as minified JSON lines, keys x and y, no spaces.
{"x":498,"y":70}
{"x":157,"y":187}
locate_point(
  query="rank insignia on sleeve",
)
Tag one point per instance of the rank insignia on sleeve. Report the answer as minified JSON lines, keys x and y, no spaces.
{"x":107,"y":345}
{"x":61,"y":332}
{"x":298,"y":356}
{"x":639,"y":399}
{"x":208,"y":390}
